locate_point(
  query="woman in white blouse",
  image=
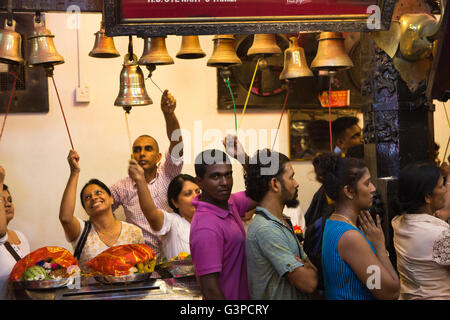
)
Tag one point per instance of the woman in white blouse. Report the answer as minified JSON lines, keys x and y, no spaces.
{"x":171,"y":227}
{"x":97,"y":201}
{"x":13,"y":239}
{"x":422,"y":240}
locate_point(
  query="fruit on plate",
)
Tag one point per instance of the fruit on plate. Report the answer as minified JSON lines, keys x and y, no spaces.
{"x":181,"y":256}
{"x":123,"y":260}
{"x":44,"y":264}
{"x":35,"y":273}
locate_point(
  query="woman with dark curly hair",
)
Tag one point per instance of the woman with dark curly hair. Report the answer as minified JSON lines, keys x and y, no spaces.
{"x":355,"y":262}
{"x":422,"y":240}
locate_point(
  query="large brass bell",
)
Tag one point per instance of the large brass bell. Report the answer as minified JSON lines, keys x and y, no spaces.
{"x":132,"y":85}
{"x":42,"y":49}
{"x":295,"y":65}
{"x":104,"y":46}
{"x":223,"y":54}
{"x":155,"y":52}
{"x":331,"y":53}
{"x":190,"y":48}
{"x":264,"y":44}
{"x":10,"y":44}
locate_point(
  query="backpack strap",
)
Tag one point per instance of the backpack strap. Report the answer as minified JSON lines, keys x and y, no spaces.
{"x":82,"y":241}
{"x":12,"y":251}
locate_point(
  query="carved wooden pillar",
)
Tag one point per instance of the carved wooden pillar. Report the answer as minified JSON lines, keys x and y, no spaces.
{"x":398,"y":127}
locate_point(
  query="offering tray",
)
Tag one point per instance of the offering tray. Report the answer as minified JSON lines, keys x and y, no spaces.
{"x":137,"y":277}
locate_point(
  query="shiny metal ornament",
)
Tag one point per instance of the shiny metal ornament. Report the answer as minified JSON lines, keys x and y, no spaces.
{"x":190,"y":48}
{"x":388,"y":40}
{"x":103,"y":46}
{"x":412,"y":72}
{"x":264,"y":44}
{"x":132,"y":85}
{"x":10,"y":44}
{"x":295,"y":65}
{"x":223,"y":54}
{"x":42,"y":49}
{"x":331,"y":53}
{"x":155,"y":52}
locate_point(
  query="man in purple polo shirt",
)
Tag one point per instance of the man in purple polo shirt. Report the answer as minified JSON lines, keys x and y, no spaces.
{"x":217,"y":237}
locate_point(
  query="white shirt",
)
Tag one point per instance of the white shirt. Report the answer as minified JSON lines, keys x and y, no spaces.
{"x":129,"y":234}
{"x":7,"y":261}
{"x":422,"y":243}
{"x":174,"y":235}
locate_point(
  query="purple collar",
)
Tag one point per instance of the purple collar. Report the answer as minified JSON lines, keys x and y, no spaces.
{"x":206,"y":206}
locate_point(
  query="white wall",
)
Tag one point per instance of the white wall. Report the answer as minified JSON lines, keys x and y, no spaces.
{"x":34,"y":147}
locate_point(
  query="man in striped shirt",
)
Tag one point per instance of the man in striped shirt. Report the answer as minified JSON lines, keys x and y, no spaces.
{"x":146,"y":153}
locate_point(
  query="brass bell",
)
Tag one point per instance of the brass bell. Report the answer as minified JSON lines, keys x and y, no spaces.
{"x":223,"y":54}
{"x":155,"y":52}
{"x":331,"y":53}
{"x":190,"y":48}
{"x":42,"y":50}
{"x":104,"y":46}
{"x":132,"y":85}
{"x":10,"y":44}
{"x":264,"y":44}
{"x":295,"y":65}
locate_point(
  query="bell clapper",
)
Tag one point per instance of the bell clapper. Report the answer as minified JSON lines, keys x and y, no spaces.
{"x":225,"y":73}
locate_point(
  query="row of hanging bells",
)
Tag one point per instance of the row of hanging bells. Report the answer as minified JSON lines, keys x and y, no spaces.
{"x":42,"y":49}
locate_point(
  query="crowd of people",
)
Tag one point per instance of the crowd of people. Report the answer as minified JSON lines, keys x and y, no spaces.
{"x":342,"y":256}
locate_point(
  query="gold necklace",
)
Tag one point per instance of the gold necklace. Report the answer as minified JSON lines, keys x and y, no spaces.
{"x":346,"y":218}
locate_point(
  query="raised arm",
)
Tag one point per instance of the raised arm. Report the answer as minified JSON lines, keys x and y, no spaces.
{"x":168,"y":105}
{"x":3,"y":224}
{"x":154,"y":216}
{"x":69,"y":223}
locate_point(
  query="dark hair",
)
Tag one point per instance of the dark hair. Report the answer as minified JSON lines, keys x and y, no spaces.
{"x":5,"y":187}
{"x":340,"y":125}
{"x":356,"y":151}
{"x":147,"y":136}
{"x":97,"y":182}
{"x":209,"y":157}
{"x":335,"y":172}
{"x":415,"y":181}
{"x":258,"y":173}
{"x":175,"y":187}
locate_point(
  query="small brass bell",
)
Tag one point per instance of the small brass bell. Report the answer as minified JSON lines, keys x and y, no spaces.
{"x":155,"y":52}
{"x":132,"y":85}
{"x":190,"y":48}
{"x":42,"y":50}
{"x":223,"y":54}
{"x":264,"y":44}
{"x":10,"y":44}
{"x":295,"y":65}
{"x":331,"y":53}
{"x":104,"y":46}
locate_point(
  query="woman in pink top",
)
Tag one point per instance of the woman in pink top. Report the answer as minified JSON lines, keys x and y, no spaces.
{"x":421,"y":240}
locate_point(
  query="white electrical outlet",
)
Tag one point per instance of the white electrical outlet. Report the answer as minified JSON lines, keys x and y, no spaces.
{"x":82,"y":94}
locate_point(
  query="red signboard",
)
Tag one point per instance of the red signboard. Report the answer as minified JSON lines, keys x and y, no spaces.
{"x":204,"y":9}
{"x":147,"y":18}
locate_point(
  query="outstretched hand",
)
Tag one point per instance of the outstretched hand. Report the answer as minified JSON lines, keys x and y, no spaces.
{"x":233,"y":147}
{"x":168,"y":102}
{"x":73,"y":158}
{"x":135,"y":171}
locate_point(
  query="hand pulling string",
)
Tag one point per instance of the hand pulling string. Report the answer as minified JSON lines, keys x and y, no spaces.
{"x":282,"y":112}
{"x":64,"y":116}
{"x":9,"y":103}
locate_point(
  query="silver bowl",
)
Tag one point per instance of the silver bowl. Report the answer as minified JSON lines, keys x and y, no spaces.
{"x":181,"y":268}
{"x":137,"y":277}
{"x":43,"y":284}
